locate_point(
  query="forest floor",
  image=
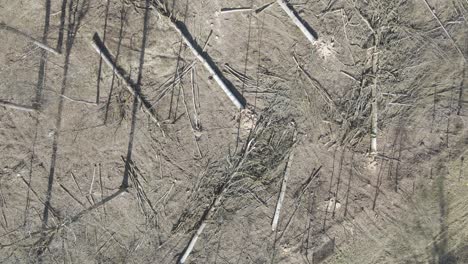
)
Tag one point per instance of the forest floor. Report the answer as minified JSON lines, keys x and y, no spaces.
{"x":360,"y":134}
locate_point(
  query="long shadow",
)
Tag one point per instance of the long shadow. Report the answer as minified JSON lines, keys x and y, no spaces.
{"x":136,"y":101}
{"x":76,"y":12}
{"x":119,"y":71}
{"x":42,"y":66}
{"x":177,"y":73}
{"x":98,"y":88}
{"x":123,"y":15}
{"x":38,"y":98}
{"x":440,"y":246}
{"x":63,"y":15}
{"x":210,"y":61}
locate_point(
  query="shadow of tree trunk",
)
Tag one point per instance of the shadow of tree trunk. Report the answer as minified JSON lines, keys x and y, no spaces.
{"x":440,"y":250}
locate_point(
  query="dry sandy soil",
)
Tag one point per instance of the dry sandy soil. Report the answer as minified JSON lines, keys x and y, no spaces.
{"x":89,"y":174}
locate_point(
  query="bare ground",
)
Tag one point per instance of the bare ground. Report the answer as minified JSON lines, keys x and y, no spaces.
{"x":68,"y":152}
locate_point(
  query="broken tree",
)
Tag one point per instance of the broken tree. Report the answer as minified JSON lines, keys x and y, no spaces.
{"x":297,"y":21}
{"x":266,"y":147}
{"x":105,"y":54}
{"x":234,"y":96}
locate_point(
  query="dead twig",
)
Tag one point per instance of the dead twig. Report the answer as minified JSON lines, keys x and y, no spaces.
{"x":48,"y":206}
{"x":300,"y":192}
{"x":79,"y":189}
{"x":192,"y":124}
{"x":347,"y":74}
{"x":145,"y":204}
{"x":101,"y":188}
{"x":71,"y":195}
{"x":33,"y":40}
{"x":90,"y":193}
{"x":263,"y":8}
{"x":444,"y":29}
{"x":350,"y":178}
{"x":17,"y":106}
{"x":71,"y":99}
{"x":171,"y":82}
{"x":400,"y":104}
{"x":324,"y":93}
{"x":197,"y":122}
{"x":345,"y":22}
{"x":246,"y":80}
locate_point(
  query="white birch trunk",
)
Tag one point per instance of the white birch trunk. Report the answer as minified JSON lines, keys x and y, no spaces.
{"x":279,"y":203}
{"x":208,"y":67}
{"x":297,"y":21}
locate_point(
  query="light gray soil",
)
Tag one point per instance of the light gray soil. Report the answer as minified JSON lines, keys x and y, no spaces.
{"x":67,"y":152}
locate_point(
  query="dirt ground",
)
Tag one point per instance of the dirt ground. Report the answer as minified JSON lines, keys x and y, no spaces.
{"x":92,"y":173}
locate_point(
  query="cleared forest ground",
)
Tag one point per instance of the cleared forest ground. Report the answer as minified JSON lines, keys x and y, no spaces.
{"x":233,"y":131}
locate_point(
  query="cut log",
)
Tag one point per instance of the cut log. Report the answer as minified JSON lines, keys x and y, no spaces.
{"x":104,"y":53}
{"x":235,"y":10}
{"x":279,"y":204}
{"x":374,"y":111}
{"x":33,"y":40}
{"x":297,"y":21}
{"x":192,"y":243}
{"x":178,"y":26}
{"x":17,"y":106}
{"x":206,"y":216}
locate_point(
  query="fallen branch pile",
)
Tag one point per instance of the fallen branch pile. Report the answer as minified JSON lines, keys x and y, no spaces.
{"x":253,"y":167}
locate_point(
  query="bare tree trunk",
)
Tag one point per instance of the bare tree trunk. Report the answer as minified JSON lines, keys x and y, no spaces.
{"x":297,"y":21}
{"x":198,"y":52}
{"x":374,"y":113}
{"x":279,"y":203}
{"x":349,"y":184}
{"x":330,"y":188}
{"x":17,"y":106}
{"x":338,"y":181}
{"x":192,"y":243}
{"x":105,"y":55}
{"x":206,"y":216}
{"x":33,"y":40}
